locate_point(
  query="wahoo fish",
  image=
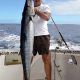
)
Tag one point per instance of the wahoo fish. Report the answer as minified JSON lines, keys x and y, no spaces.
{"x":26,"y":38}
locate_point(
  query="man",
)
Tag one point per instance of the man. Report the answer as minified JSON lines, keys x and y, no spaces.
{"x":41,"y":35}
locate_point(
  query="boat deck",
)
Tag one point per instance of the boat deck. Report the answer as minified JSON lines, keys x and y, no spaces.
{"x":62,"y":69}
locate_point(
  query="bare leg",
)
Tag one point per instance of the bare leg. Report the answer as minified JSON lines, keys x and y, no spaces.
{"x":47,"y":65}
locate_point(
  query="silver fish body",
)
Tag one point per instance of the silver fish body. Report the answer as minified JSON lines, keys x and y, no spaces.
{"x":26,"y":39}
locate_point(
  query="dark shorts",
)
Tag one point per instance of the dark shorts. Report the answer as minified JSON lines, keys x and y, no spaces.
{"x":41,"y":45}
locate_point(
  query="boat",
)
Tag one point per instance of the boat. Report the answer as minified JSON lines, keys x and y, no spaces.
{"x":63,"y":67}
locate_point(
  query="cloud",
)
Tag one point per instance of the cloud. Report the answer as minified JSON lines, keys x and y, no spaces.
{"x":65,"y":7}
{"x":64,"y":0}
{"x":61,"y":0}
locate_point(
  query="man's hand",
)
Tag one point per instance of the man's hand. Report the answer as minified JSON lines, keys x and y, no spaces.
{"x":43,"y":15}
{"x":35,"y":10}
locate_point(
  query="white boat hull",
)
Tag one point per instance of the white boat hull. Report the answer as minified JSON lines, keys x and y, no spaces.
{"x":65,"y":69}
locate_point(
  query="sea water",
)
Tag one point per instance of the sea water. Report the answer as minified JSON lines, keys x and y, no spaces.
{"x":10,"y":36}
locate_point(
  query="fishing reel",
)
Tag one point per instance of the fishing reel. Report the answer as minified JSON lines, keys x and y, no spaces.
{"x":59,"y":41}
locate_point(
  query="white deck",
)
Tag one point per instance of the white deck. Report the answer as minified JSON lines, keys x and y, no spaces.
{"x":64,"y":70}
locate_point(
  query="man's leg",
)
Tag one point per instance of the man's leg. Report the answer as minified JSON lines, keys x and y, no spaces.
{"x":47,"y":65}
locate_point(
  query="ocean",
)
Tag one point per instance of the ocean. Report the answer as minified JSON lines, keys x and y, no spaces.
{"x":10,"y":35}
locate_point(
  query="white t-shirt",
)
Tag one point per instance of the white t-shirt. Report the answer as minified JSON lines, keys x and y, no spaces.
{"x":40,"y":25}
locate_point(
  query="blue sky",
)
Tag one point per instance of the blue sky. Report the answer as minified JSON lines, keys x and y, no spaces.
{"x":63,"y":11}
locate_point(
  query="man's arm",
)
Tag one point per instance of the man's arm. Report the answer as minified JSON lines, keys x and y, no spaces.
{"x":43,"y":15}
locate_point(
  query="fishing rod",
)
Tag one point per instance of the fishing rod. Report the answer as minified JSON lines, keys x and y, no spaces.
{"x":59,"y":33}
{"x":72,"y":56}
